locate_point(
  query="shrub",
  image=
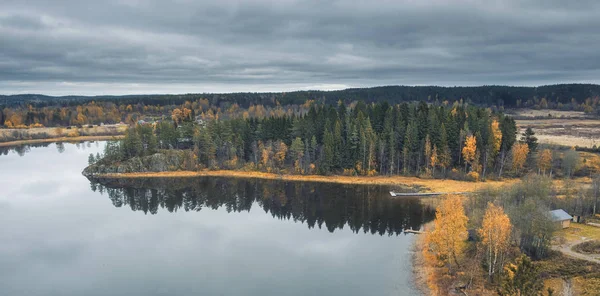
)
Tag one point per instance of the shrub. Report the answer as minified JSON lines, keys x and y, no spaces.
{"x":589,"y":247}
{"x":73,"y":133}
{"x":473,"y":176}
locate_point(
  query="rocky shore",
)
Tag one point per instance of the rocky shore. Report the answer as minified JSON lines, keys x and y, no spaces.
{"x":164,"y":161}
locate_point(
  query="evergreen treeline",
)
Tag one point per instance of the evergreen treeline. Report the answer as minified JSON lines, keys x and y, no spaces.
{"x":363,"y":139}
{"x":22,"y":111}
{"x":489,"y":95}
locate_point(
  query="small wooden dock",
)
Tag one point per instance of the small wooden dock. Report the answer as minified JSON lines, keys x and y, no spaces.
{"x":422,"y":194}
{"x":414,"y":231}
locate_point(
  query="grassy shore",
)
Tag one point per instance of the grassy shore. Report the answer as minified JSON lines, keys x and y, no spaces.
{"x":60,"y":139}
{"x":15,"y":137}
{"x":427,"y":185}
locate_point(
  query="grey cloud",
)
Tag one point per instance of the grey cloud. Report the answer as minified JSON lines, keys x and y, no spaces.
{"x":252,"y":44}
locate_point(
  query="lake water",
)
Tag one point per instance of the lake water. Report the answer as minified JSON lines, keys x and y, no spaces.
{"x":61,"y":234}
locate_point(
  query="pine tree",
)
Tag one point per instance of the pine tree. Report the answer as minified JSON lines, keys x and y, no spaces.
{"x":328,"y":151}
{"x":410,"y":143}
{"x":427,"y":151}
{"x":206,"y":147}
{"x":445,"y":158}
{"x":530,"y":139}
{"x":313,"y":148}
{"x":296,"y":154}
{"x":338,"y":145}
{"x":521,"y":278}
{"x":132,"y":144}
{"x":508,"y":129}
{"x":371,"y":144}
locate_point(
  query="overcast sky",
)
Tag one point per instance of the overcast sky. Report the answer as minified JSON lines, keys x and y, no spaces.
{"x":134,"y":46}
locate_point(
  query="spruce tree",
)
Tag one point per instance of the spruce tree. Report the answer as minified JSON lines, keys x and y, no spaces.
{"x":530,"y":139}
{"x":327,"y":162}
{"x":521,"y":278}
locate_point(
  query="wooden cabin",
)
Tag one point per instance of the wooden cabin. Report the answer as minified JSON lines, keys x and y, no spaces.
{"x":561,"y":217}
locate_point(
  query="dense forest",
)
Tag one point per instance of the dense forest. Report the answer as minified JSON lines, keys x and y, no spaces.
{"x":38,"y":110}
{"x":557,"y":96}
{"x":357,"y":139}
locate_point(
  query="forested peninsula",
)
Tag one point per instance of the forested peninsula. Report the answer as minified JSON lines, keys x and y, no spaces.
{"x":457,"y":141}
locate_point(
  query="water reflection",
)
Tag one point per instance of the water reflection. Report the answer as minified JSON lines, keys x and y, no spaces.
{"x":333,"y":206}
{"x":21,"y":150}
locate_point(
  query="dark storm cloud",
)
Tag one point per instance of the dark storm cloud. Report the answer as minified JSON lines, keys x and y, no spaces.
{"x":143,"y":46}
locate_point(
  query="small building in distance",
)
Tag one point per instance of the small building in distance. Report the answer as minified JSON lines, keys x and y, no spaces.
{"x":578,"y":219}
{"x":561,"y":217}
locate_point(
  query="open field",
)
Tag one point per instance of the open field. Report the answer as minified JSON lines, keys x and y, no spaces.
{"x":11,"y":137}
{"x":564,"y":132}
{"x":546,"y":113}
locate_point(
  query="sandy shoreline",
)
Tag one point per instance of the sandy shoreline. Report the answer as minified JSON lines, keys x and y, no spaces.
{"x":427,"y":185}
{"x":419,"y":271}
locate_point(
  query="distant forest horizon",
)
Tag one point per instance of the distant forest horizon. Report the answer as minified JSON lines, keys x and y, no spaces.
{"x":556,"y":96}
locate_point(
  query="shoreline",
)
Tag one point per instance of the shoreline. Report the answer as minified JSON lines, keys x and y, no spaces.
{"x":419,"y":268}
{"x":427,"y":185}
{"x":60,"y":139}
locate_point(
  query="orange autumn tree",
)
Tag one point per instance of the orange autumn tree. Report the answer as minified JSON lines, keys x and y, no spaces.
{"x":186,"y":114}
{"x":433,"y":159}
{"x":177,"y":115}
{"x":470,"y":150}
{"x":497,"y":135}
{"x":280,"y":153}
{"x":495,"y":234}
{"x":544,"y":161}
{"x":447,"y":240}
{"x":519,"y":156}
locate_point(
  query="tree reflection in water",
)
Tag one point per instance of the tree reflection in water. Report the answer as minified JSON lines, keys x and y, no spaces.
{"x":333,"y":206}
{"x":21,"y":150}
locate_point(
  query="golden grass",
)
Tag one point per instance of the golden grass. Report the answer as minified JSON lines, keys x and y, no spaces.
{"x":578,"y":231}
{"x":545,"y":112}
{"x":567,"y":140}
{"x":59,"y":134}
{"x":428,"y":185}
{"x":586,"y":286}
{"x":555,"y":283}
{"x":564,"y":131}
{"x":583,"y":275}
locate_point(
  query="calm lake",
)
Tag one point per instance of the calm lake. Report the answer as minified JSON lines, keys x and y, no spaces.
{"x":61,"y":234}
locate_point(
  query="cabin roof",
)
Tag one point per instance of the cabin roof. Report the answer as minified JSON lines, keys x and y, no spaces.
{"x":560,"y":215}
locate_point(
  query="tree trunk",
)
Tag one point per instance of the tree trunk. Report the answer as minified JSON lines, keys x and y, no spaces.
{"x":502,"y":160}
{"x":485,"y":162}
{"x":455,"y":259}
